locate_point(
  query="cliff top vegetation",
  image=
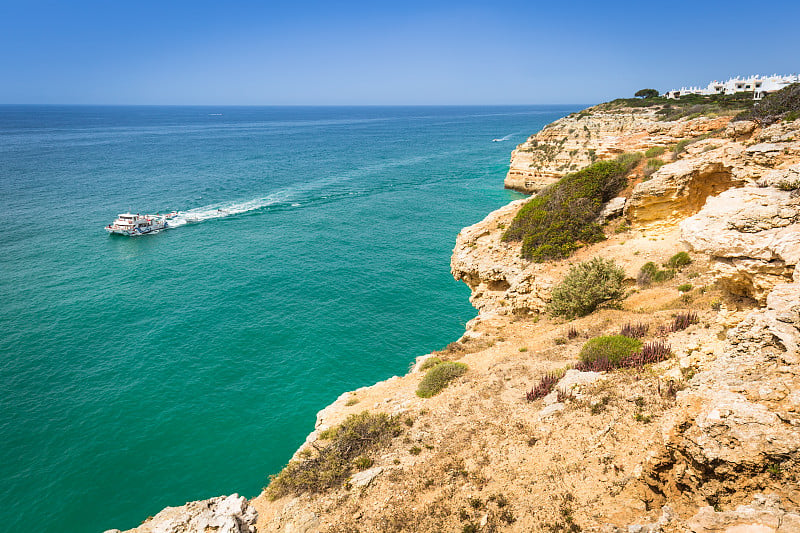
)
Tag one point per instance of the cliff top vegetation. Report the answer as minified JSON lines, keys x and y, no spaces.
{"x":348,"y":448}
{"x":690,"y":105}
{"x":560,"y":216}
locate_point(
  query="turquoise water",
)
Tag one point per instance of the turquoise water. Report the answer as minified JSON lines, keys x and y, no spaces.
{"x":142,"y":372}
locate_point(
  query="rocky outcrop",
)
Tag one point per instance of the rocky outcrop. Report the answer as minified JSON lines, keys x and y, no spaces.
{"x":753,"y":236}
{"x":713,"y":165}
{"x":736,"y":429}
{"x":572,"y":143}
{"x":501,"y":281}
{"x":224,"y":514}
{"x":678,"y":190}
{"x":597,"y":133}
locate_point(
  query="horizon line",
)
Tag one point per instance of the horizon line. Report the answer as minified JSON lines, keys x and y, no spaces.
{"x":290,"y":105}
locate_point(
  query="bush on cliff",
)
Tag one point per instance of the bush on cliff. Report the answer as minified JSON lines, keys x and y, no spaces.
{"x":650,"y":273}
{"x":586,"y":286}
{"x":651,"y":166}
{"x":439,"y":377}
{"x":350,"y":445}
{"x":558,"y":217}
{"x":678,"y":261}
{"x":613,"y":348}
{"x":655,"y":151}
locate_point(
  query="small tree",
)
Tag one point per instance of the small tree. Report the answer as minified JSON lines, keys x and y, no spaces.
{"x":646,"y":93}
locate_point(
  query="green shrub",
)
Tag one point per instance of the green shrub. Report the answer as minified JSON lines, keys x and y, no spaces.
{"x":563,"y":214}
{"x":363,"y":462}
{"x":788,"y":185}
{"x":587,"y":285}
{"x":611,"y":347}
{"x":350,"y":444}
{"x":650,"y":273}
{"x":655,"y":151}
{"x":696,"y":105}
{"x":686,"y":106}
{"x":685,"y":287}
{"x":439,"y":377}
{"x":679,"y":260}
{"x":430,"y":362}
{"x":681,"y":145}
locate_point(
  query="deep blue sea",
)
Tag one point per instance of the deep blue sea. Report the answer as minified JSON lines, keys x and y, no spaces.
{"x":137,"y":373}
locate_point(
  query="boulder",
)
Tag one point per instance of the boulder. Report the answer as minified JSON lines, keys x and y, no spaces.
{"x":612,"y":209}
{"x":363,"y":479}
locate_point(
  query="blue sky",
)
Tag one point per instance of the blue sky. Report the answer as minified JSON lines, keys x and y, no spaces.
{"x":403,"y":52}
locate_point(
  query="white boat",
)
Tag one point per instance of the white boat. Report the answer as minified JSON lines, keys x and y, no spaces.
{"x":130,"y":224}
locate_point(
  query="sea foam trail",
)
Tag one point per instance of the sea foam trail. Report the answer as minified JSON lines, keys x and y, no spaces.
{"x":501,"y":139}
{"x":222,"y":210}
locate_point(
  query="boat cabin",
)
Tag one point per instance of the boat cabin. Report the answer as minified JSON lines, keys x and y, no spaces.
{"x":129,"y":219}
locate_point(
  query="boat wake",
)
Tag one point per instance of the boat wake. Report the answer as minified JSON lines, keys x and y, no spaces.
{"x":501,"y":139}
{"x":222,"y":210}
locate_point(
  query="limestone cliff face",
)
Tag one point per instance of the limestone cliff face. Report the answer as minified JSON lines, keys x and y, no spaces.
{"x":579,"y":139}
{"x":223,"y":514}
{"x":500,"y":280}
{"x":738,"y":423}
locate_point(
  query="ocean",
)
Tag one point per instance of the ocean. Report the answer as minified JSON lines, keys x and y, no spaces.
{"x":312,"y":258}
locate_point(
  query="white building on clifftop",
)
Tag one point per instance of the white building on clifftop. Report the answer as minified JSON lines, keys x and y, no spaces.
{"x":760,"y":86}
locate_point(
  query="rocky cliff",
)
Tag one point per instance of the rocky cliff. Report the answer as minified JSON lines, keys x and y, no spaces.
{"x":705,"y":441}
{"x":596,"y":133}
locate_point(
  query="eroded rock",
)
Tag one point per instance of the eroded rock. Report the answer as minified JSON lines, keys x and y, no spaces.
{"x":575,"y":141}
{"x":500,"y":280}
{"x":738,"y":424}
{"x":678,"y":190}
{"x":753,"y":236}
{"x":223,"y":514}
